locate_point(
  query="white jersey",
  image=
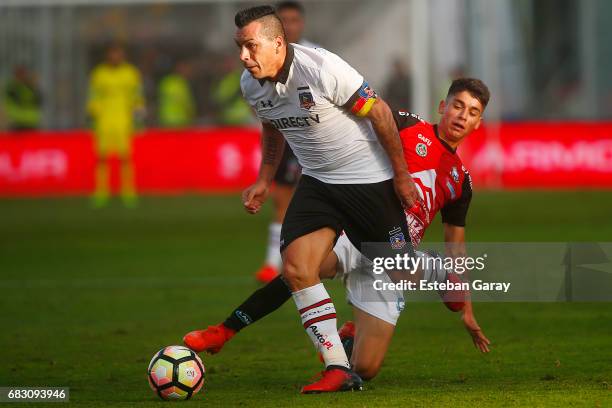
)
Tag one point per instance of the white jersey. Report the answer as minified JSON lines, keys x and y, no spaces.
{"x":306,"y":105}
{"x":309,"y":44}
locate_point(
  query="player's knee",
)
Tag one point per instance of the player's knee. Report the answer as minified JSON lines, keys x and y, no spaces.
{"x":297,"y":274}
{"x":292,"y":272}
{"x":367,"y":371}
{"x":367,"y":368}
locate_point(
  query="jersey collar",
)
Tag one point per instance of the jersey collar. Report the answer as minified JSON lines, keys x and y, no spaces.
{"x":446,"y":145}
{"x":283,"y":74}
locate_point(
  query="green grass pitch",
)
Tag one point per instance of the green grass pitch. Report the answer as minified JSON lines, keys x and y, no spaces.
{"x":87,"y":297}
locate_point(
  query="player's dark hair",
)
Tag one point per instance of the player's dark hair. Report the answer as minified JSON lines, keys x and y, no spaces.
{"x":290,"y":5}
{"x":474,"y":86}
{"x":272,"y":26}
{"x":246,"y":16}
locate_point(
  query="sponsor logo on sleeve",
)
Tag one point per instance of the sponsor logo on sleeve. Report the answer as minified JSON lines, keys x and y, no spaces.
{"x":413,"y":115}
{"x":451,"y":189}
{"x":455,"y":174}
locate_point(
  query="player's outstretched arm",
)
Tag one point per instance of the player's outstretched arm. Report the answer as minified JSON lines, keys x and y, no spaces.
{"x":454,"y":238}
{"x":382,"y":121}
{"x":471,"y":325}
{"x":273,"y":145}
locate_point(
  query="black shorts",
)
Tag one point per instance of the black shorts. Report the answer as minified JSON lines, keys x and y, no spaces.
{"x":289,"y":170}
{"x":368,"y":213}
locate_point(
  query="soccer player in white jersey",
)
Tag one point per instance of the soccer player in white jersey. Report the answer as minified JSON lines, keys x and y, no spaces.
{"x":354,"y":176}
{"x":291,"y":14}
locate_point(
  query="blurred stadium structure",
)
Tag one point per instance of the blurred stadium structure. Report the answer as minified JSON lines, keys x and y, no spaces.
{"x":544,"y":60}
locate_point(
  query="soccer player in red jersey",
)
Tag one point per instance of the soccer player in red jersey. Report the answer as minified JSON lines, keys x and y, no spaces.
{"x":444,"y":186}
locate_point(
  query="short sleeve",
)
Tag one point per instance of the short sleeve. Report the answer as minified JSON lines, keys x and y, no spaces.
{"x":339,"y":80}
{"x":405,"y":119}
{"x":455,"y":213}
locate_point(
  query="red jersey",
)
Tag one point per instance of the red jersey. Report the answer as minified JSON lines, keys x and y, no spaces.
{"x":442,"y":181}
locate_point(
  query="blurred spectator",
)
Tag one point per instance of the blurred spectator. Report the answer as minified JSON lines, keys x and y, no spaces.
{"x":176,"y":102}
{"x":456,"y":72}
{"x":292,"y":14}
{"x":22,"y":100}
{"x":398,"y":90}
{"x":233,"y":109}
{"x":115,"y":101}
{"x":565,"y":97}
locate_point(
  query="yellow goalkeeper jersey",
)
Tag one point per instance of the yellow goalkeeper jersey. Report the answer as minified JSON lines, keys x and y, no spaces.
{"x":115,"y":92}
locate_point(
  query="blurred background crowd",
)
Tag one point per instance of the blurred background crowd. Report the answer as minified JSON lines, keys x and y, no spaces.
{"x":543,"y":59}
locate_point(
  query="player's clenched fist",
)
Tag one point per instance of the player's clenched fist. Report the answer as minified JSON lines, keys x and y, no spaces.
{"x":406,"y":190}
{"x":254,"y":196}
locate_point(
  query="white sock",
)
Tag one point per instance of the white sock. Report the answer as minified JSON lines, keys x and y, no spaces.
{"x":319,"y":319}
{"x":432,"y":266}
{"x":273,"y":255}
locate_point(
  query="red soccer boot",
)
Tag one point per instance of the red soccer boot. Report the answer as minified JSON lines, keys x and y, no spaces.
{"x":266,"y":274}
{"x":210,"y":340}
{"x":335,"y":379}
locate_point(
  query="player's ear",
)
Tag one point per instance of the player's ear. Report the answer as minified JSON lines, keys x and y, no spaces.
{"x":478,"y":123}
{"x":279,"y":43}
{"x":441,"y":106}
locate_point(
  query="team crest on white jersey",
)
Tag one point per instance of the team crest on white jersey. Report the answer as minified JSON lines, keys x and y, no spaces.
{"x":421,"y":149}
{"x":305,"y":97}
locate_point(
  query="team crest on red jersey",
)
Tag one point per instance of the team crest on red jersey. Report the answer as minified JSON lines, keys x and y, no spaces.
{"x":397,"y":239}
{"x":421,"y":149}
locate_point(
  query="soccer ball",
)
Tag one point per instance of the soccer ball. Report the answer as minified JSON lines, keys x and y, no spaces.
{"x":176,"y":373}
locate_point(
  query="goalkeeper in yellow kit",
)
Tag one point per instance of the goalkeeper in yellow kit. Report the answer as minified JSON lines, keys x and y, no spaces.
{"x":115,"y":100}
